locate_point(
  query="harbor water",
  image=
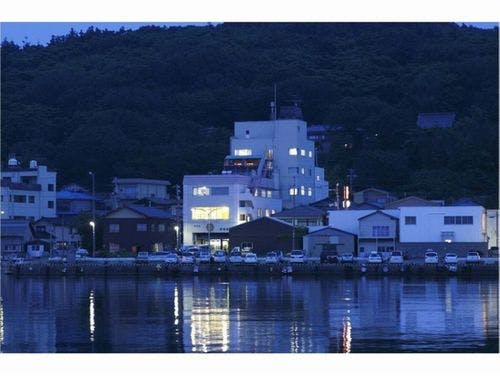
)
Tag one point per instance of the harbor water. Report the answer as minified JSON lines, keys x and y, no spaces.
{"x":282,"y":314}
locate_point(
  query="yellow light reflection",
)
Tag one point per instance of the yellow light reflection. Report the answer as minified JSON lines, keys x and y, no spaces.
{"x":176,"y":306}
{"x":91,"y":315}
{"x":346,"y":335}
{"x":1,"y":321}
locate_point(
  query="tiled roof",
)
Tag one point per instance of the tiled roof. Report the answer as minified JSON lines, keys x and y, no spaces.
{"x":300,"y":212}
{"x":150,"y":211}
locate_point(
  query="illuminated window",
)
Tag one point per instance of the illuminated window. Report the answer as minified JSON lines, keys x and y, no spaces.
{"x":302,"y":170}
{"x":309,"y":191}
{"x":267,"y":212}
{"x":269,"y":194}
{"x":317,"y":177}
{"x":302,"y":152}
{"x":293,"y":191}
{"x":310,"y":154}
{"x":201,"y":191}
{"x":243,"y":152}
{"x":263,"y":193}
{"x":210,"y":212}
{"x":273,"y":211}
{"x":302,"y":191}
{"x":259,"y":212}
{"x":292,"y":151}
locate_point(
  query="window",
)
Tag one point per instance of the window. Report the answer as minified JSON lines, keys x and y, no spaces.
{"x":317,"y":177}
{"x":141,"y":227}
{"x":259,"y":212}
{"x":243,"y":152}
{"x":273,"y":211}
{"x":267,"y":212}
{"x":244,"y":217}
{"x":302,"y":190}
{"x":458,"y":220}
{"x":201,"y":191}
{"x":50,"y":204}
{"x":293,"y":191}
{"x":310,"y":154}
{"x":309,"y":191}
{"x":161,"y":227}
{"x":410,"y":220}
{"x":210,"y":212}
{"x":219,"y":191}
{"x":114,"y":247}
{"x":380,"y":230}
{"x":50,"y":187}
{"x":153,"y":227}
{"x":20,"y":199}
{"x":292,"y":151}
{"x":31,"y":199}
{"x":269,"y":194}
{"x":302,"y":171}
{"x":302,"y":152}
{"x":114,"y":227}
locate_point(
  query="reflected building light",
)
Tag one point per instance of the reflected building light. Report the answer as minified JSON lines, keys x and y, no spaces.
{"x":346,"y":335}
{"x":294,"y":340}
{"x":91,"y":315}
{"x":1,"y":321}
{"x":448,"y":299}
{"x":176,"y":306}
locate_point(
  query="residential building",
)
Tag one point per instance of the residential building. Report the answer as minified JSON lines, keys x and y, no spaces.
{"x":27,"y":192}
{"x":436,"y":120}
{"x":303,"y":215}
{"x":329,"y":238}
{"x":130,"y":189}
{"x":15,"y":234}
{"x":62,"y":231}
{"x":73,"y":203}
{"x":374,"y":196}
{"x":263,"y":235}
{"x":492,"y":227}
{"x":377,"y":231}
{"x":271,"y":165}
{"x":215,"y":203}
{"x":138,"y":228}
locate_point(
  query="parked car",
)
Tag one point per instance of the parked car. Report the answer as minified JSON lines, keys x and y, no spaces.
{"x":142,"y":256}
{"x":431,"y":257}
{"x":57,"y":259}
{"x":187,"y":257}
{"x":272,"y":258}
{"x":450,"y":258}
{"x":374,"y":258}
{"x":219,"y":256}
{"x":396,"y":257}
{"x":81,"y":252}
{"x":473,"y":256}
{"x":329,"y":257}
{"x":347,"y":257}
{"x":203,"y":255}
{"x":235,"y":256}
{"x":297,"y":256}
{"x":250,"y":258}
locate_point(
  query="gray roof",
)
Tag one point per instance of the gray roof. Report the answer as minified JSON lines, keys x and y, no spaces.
{"x":330,"y":230}
{"x":302,"y":211}
{"x":436,"y":120}
{"x":150,"y":212}
{"x":15,"y":227}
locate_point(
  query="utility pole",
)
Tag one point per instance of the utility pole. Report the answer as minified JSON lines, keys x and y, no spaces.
{"x":337,"y":195}
{"x":294,"y":191}
{"x":92,"y":174}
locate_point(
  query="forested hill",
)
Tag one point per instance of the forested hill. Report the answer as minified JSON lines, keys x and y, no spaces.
{"x":161,"y":102}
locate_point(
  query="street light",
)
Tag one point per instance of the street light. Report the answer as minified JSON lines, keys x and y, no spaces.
{"x":176,"y":228}
{"x":92,"y":224}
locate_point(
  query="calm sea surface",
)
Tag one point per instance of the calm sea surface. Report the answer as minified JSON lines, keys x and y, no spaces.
{"x":285,"y":314}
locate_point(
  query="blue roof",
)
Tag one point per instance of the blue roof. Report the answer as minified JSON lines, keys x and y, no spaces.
{"x":68,"y":195}
{"x":150,"y":211}
{"x":436,"y":120}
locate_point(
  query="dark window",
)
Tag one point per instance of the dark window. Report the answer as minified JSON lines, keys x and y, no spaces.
{"x":219,"y":191}
{"x":142,"y":227}
{"x":410,"y":220}
{"x":243,"y":217}
{"x":31,"y":199}
{"x":20,"y":198}
{"x":51,"y":187}
{"x":161,"y":227}
{"x":114,"y":227}
{"x":153,"y":227}
{"x":50,"y":204}
{"x":459,"y":220}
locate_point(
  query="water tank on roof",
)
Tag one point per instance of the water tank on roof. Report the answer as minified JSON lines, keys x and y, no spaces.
{"x":33,"y":164}
{"x":13,"y":161}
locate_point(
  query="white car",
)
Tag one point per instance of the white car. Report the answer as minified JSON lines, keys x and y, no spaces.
{"x":250,"y":258}
{"x":235,"y":257}
{"x":347,"y":257}
{"x":219,"y":256}
{"x":450,"y":258}
{"x":142,"y":256}
{"x":396,"y":257}
{"x":272,"y":258}
{"x":203,"y":256}
{"x":431,"y":257}
{"x":473,"y":256}
{"x":297,"y":256}
{"x":374,"y":258}
{"x":187,"y":258}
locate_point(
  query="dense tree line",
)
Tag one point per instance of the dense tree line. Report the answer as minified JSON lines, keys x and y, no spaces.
{"x":160,"y":102}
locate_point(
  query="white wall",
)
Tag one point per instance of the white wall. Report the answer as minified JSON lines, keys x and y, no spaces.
{"x":347,"y":220}
{"x":430,"y":224}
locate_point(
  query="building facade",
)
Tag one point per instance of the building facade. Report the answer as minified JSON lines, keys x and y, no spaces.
{"x":271,"y":165}
{"x":329,"y":238}
{"x":139,"y":188}
{"x":27,"y":192}
{"x":137,"y":228}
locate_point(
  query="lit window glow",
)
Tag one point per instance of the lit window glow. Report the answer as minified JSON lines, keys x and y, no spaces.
{"x":293,"y":191}
{"x":302,"y":152}
{"x":201,"y":191}
{"x":292,"y":151}
{"x":210,"y":212}
{"x":243,"y":152}
{"x":302,"y":191}
{"x":309,"y":191}
{"x":310,"y":154}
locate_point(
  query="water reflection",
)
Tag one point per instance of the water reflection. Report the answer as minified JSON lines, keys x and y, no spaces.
{"x":243,"y":315}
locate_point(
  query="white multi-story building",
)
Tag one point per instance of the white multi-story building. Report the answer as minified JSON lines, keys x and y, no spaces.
{"x":28,"y":193}
{"x":271,"y":165}
{"x":139,"y":188}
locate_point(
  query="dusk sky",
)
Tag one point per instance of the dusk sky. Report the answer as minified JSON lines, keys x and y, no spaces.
{"x":41,"y":32}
